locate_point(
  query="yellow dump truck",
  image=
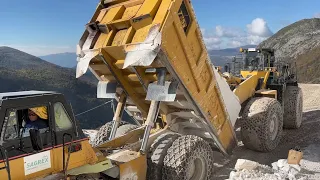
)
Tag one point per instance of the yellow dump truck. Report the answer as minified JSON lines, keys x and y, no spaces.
{"x":149,"y":55}
{"x":147,"y":52}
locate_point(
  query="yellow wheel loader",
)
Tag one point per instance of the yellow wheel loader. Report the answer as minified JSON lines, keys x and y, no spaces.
{"x":269,"y":94}
{"x":149,"y":55}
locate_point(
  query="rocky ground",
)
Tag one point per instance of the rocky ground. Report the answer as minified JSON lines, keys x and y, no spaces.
{"x":307,"y":138}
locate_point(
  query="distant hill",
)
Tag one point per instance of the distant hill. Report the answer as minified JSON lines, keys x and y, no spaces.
{"x":21,"y":71}
{"x":218,"y":57}
{"x":229,"y":51}
{"x":299,"y":43}
{"x":222,"y":56}
{"x":62,"y":59}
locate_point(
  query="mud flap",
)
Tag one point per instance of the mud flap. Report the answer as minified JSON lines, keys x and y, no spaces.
{"x":143,"y":54}
{"x":132,"y":165}
{"x":85,"y":53}
{"x":166,"y":93}
{"x":83,"y":63}
{"x":230,"y":100}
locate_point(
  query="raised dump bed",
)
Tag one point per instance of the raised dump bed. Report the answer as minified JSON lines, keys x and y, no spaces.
{"x":128,"y":41}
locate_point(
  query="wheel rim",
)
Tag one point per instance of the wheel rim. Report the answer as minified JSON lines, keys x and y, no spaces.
{"x":273,"y":128}
{"x":197,"y":169}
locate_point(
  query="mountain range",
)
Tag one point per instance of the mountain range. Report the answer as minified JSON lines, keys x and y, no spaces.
{"x":222,"y":56}
{"x":218,"y":57}
{"x":20,"y":71}
{"x":67,"y":59}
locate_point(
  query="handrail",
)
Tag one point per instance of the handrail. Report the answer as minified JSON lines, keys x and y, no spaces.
{"x":6,"y":162}
{"x":65,"y":164}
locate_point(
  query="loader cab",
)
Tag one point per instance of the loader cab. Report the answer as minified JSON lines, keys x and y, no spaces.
{"x":257,"y":59}
{"x":24,"y":145}
{"x":235,"y":66}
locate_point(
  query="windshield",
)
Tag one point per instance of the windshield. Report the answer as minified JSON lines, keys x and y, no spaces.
{"x":252,"y":60}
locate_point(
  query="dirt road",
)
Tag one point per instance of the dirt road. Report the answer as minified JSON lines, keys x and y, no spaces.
{"x":307,"y":137}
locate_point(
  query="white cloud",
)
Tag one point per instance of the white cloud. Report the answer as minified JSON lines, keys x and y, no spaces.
{"x":254,"y":40}
{"x":41,"y":50}
{"x":317,"y":15}
{"x":228,"y":37}
{"x":210,"y":39}
{"x":259,"y":27}
{"x":228,"y":32}
{"x":212,"y":42}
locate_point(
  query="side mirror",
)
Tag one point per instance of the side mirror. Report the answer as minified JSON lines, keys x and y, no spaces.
{"x":36,"y":139}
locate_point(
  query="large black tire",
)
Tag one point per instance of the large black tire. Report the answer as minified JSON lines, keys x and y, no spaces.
{"x":124,"y":129}
{"x":292,"y":107}
{"x":189,"y":158}
{"x":157,"y":153}
{"x":262,"y":124}
{"x":104,"y":133}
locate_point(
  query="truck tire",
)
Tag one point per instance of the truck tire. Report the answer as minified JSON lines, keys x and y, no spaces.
{"x":292,"y":107}
{"x":190,"y":157}
{"x":124,"y":129}
{"x":261,"y":128}
{"x":157,"y":153}
{"x":104,"y":133}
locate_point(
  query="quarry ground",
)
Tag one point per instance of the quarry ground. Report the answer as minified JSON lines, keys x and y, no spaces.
{"x":307,"y":137}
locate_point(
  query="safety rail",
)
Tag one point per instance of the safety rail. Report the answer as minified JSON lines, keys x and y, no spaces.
{"x":4,"y":154}
{"x":65,"y":164}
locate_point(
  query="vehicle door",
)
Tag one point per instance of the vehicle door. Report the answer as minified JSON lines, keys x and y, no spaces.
{"x":68,"y":137}
{"x":25,"y":159}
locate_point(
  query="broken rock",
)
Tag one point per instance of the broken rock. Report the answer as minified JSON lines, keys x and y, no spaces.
{"x":282,"y":165}
{"x":245,"y":164}
{"x":281,"y":170}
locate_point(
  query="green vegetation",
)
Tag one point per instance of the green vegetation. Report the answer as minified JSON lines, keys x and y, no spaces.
{"x":20,"y":71}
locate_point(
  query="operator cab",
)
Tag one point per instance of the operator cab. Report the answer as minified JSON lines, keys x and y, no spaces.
{"x":53,"y":120}
{"x":257,"y":59}
{"x":254,"y":60}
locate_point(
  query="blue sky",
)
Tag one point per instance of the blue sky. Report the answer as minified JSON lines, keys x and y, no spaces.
{"x":44,"y":27}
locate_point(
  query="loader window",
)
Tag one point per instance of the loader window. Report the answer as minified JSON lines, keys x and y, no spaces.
{"x":63,"y":121}
{"x":11,"y":131}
